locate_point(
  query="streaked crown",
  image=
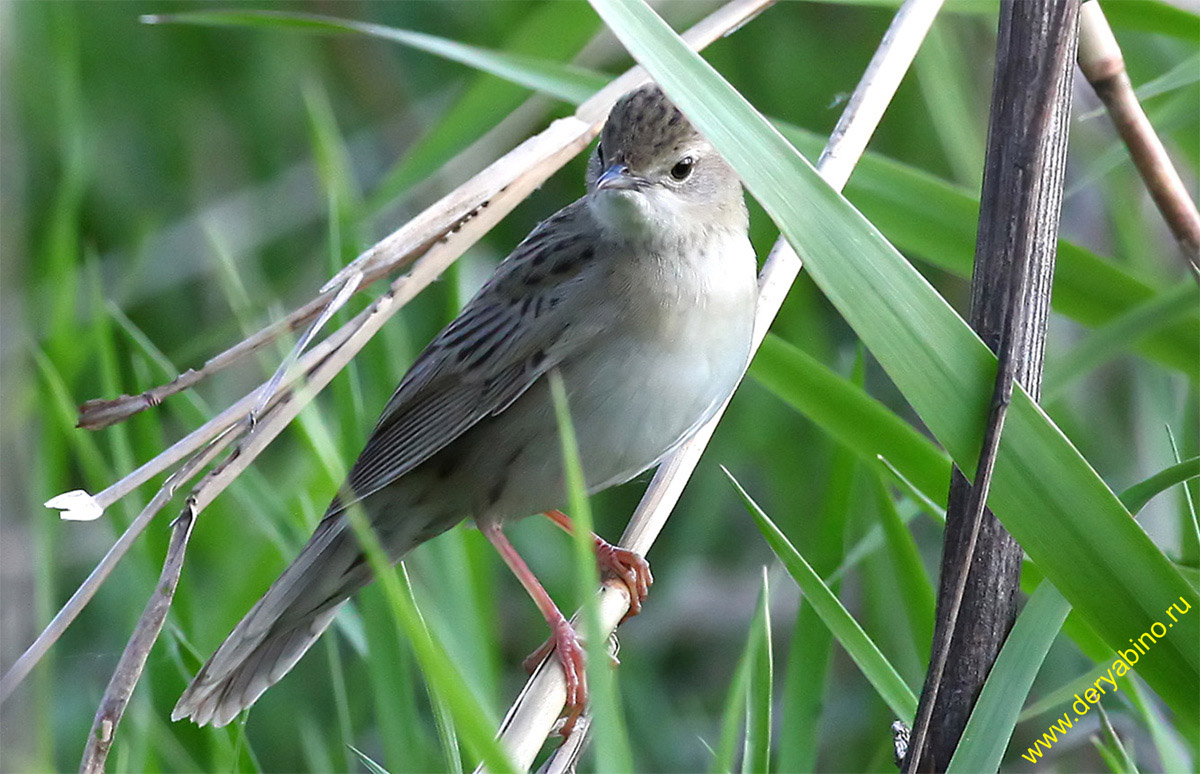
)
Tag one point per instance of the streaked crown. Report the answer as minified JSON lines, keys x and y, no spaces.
{"x":650,"y":151}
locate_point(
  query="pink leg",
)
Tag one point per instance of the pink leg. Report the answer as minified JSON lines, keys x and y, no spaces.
{"x":563,"y":638}
{"x":630,"y":568}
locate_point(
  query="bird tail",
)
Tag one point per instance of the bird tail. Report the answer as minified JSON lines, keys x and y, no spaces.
{"x":280,"y":627}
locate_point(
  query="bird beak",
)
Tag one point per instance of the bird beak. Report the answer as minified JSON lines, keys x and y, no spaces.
{"x":618,"y":177}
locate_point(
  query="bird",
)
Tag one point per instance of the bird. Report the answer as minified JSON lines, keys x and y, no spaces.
{"x":640,"y":296}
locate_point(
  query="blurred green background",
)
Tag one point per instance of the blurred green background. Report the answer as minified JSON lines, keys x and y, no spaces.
{"x":167,"y":189}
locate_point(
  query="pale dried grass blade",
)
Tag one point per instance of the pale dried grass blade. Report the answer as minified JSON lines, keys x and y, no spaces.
{"x":532,"y":716}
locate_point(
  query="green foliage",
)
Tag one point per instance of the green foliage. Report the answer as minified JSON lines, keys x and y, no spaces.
{"x":163,"y":177}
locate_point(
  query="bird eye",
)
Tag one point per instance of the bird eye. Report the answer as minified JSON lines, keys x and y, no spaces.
{"x":683,"y":168}
{"x":600,"y":153}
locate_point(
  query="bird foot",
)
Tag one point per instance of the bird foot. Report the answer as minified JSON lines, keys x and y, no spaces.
{"x":565,"y":644}
{"x":630,"y":568}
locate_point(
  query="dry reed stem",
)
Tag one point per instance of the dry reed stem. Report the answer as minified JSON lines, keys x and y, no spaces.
{"x":433,"y":225}
{"x":1103,"y":65}
{"x":531,"y":718}
{"x":519,"y":172}
{"x":92,"y":583}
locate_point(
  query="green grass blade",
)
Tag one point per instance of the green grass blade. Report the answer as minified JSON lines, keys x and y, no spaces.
{"x":912,"y":581}
{"x":1044,"y":491}
{"x":1159,"y":313}
{"x":929,"y":217}
{"x":918,"y":211}
{"x":552,"y":31}
{"x":473,"y":721}
{"x":735,"y":708}
{"x":1136,"y":496}
{"x":808,"y":663}
{"x":756,"y":756}
{"x":991,"y":724}
{"x":611,"y":738}
{"x":874,"y":665}
{"x":1171,"y":753}
{"x":573,"y":84}
{"x":998,"y":708}
{"x":368,"y":763}
{"x":850,"y":415}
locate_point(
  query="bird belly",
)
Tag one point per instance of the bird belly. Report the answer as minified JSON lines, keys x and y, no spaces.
{"x":639,"y":391}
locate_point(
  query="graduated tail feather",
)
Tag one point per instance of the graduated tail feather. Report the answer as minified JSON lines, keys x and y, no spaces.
{"x":281,"y":626}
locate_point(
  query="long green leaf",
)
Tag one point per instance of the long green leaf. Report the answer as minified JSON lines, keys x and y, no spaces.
{"x":998,"y":708}
{"x":612,"y":740}
{"x":850,"y":415}
{"x":1044,"y":492}
{"x":986,"y":736}
{"x":920,"y":212}
{"x":874,"y":665}
{"x":1159,"y":313}
{"x":573,"y":84}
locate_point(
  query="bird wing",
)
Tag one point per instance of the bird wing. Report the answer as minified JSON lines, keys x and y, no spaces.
{"x":528,"y":318}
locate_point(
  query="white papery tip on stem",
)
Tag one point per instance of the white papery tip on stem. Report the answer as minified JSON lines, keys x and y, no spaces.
{"x":76,"y":505}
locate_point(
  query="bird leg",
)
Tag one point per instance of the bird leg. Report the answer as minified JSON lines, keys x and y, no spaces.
{"x":563,"y":639}
{"x":630,"y":568}
{"x":620,"y":563}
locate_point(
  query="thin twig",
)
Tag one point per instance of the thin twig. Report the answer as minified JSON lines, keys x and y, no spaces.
{"x":1103,"y":65}
{"x":74,"y":606}
{"x":133,"y":659}
{"x":1051,"y":69}
{"x":526,"y":167}
{"x":532,"y":716}
{"x":432,"y":226}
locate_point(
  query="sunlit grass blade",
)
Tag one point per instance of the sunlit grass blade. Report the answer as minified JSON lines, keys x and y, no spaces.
{"x":875,"y":667}
{"x":611,"y":739}
{"x":470,"y":717}
{"x":756,"y":754}
{"x":563,"y":81}
{"x":1044,"y":492}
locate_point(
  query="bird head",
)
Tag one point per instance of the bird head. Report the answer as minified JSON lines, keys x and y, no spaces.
{"x":653,"y":172}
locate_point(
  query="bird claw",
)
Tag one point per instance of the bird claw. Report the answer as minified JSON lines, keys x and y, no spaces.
{"x":630,"y":568}
{"x":564,"y":642}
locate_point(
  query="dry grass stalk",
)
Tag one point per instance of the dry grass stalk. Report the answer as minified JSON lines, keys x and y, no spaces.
{"x":433,"y":225}
{"x":531,"y":718}
{"x":439,"y":237}
{"x":1103,"y":65}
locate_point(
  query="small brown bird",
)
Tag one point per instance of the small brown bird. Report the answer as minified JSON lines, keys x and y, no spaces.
{"x":641,"y":295}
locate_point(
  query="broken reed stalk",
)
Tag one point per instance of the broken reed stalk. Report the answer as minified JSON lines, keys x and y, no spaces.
{"x":1102,"y":64}
{"x":87,"y":589}
{"x":417,"y":236}
{"x":510,"y":180}
{"x":532,"y":716}
{"x":1020,"y":205}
